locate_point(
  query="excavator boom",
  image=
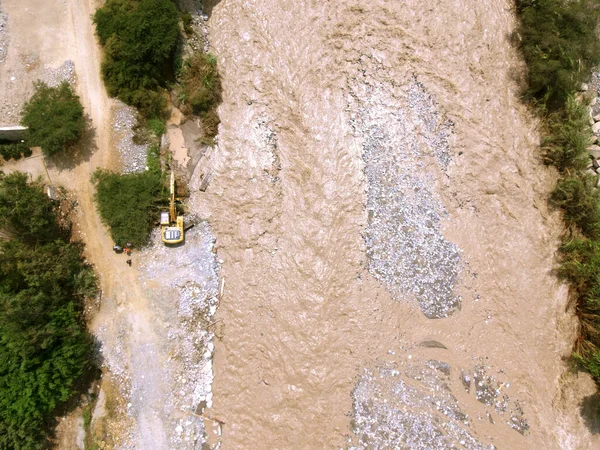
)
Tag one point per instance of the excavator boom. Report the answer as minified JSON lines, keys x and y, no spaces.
{"x":172,"y":225}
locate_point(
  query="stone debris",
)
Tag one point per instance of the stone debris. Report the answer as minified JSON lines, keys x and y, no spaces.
{"x":186,"y":277}
{"x":412,"y":403}
{"x":54,"y":77}
{"x":406,"y":144}
{"x":132,"y":155}
{"x":416,"y":412}
{"x":3,"y":34}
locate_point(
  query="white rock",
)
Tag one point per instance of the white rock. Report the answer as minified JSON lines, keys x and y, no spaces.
{"x":596,"y":128}
{"x":583,"y":87}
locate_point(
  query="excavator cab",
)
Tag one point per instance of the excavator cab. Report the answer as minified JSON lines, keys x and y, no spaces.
{"x":171,"y":225}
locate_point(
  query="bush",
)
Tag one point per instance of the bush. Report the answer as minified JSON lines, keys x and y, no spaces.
{"x":14,"y":150}
{"x":26,"y":212}
{"x":186,"y":19}
{"x":567,"y":136}
{"x":560,"y":46}
{"x":577,"y":196}
{"x":139,"y":38}
{"x":55,"y":118}
{"x":44,"y":345}
{"x":129,"y":204}
{"x":201,"y":90}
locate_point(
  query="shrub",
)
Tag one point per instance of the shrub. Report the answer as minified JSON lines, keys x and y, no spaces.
{"x":567,"y":136}
{"x":129,"y":204}
{"x":14,"y":150}
{"x":44,"y":345}
{"x":560,"y":46}
{"x":139,"y":38}
{"x":186,"y":19}
{"x":25,"y":210}
{"x":580,"y":201}
{"x":55,"y":118}
{"x":201,"y":90}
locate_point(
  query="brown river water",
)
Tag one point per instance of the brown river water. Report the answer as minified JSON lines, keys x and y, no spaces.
{"x":379,"y":209}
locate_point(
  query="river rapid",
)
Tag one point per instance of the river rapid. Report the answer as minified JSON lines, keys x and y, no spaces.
{"x":380,"y":215}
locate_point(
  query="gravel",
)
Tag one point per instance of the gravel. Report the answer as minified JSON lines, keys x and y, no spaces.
{"x":54,"y":77}
{"x":412,"y":403}
{"x":406,"y":149}
{"x":3,"y":34}
{"x":132,"y":155}
{"x":185,"y":280}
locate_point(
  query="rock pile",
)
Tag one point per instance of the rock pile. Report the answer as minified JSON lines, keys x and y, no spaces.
{"x":54,"y":77}
{"x":593,"y":150}
{"x":413,"y":402}
{"x":185,"y":279}
{"x":3,"y":34}
{"x":405,"y":150}
{"x":132,"y":155}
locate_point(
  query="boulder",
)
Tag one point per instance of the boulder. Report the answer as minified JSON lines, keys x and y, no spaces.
{"x":593,"y":140}
{"x":595,"y":163}
{"x":594,"y":151}
{"x":591,"y":172}
{"x":596,"y":128}
{"x":596,"y":118}
{"x":583,"y":87}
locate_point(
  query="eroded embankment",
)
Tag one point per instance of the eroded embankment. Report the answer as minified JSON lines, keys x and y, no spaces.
{"x":332,"y":111}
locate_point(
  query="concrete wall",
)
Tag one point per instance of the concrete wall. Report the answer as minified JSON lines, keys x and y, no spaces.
{"x":12,"y":133}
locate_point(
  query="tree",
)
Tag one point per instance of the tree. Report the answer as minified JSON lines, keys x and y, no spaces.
{"x":44,"y":345}
{"x":55,"y":118}
{"x":139,"y":37}
{"x":25,"y":211}
{"x":129,"y":204}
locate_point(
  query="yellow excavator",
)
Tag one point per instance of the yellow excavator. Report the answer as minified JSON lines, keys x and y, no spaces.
{"x":171,"y":225}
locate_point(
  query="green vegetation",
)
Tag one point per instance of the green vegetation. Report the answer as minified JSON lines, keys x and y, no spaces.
{"x":201,"y":91}
{"x":14,"y":150}
{"x":139,"y":38}
{"x":44,"y":345}
{"x":186,"y":18}
{"x":567,"y":136}
{"x":560,"y":46}
{"x":129,"y":204}
{"x":55,"y":118}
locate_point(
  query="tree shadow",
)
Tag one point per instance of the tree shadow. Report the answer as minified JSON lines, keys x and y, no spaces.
{"x":79,"y":153}
{"x":590,"y":412}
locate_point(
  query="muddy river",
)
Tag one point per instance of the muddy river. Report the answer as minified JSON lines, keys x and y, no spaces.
{"x":379,"y":209}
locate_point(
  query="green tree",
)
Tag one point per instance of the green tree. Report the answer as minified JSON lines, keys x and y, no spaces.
{"x":139,"y":38}
{"x":55,"y":118}
{"x":129,"y":204}
{"x":25,"y":211}
{"x":44,"y":344}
